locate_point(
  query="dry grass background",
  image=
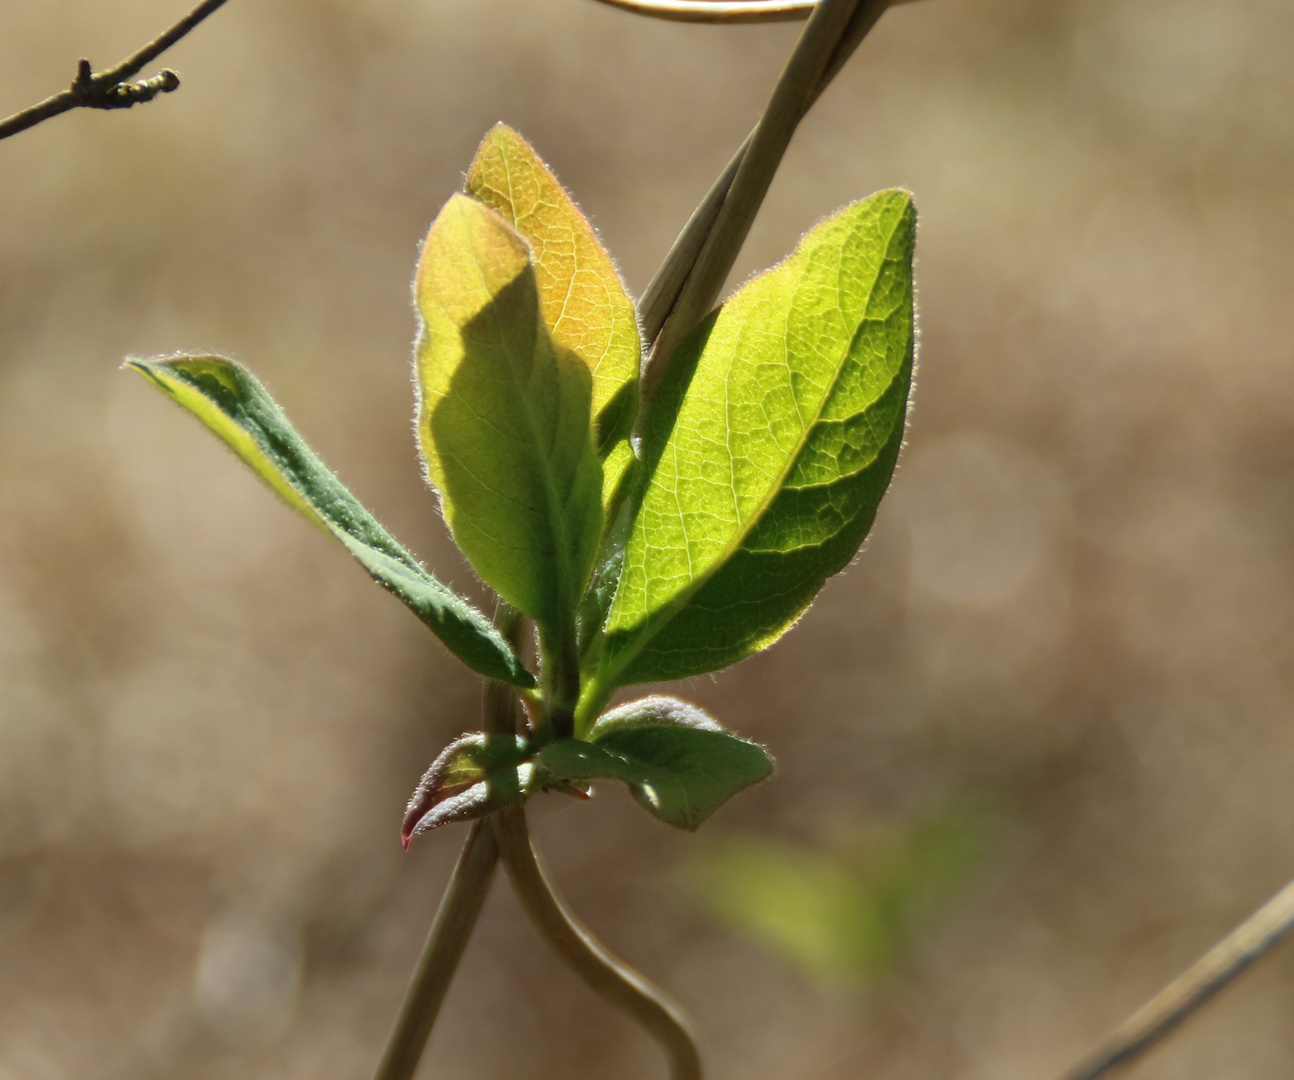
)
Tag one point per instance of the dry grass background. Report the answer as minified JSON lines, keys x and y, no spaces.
{"x":1079,"y":595}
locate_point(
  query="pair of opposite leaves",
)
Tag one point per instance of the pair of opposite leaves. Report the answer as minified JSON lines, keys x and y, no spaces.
{"x":756,"y":473}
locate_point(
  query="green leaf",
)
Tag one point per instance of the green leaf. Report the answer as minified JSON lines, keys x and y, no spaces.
{"x":582,"y":299}
{"x":767,"y":450}
{"x":848,"y":912}
{"x":679,"y":763}
{"x":474,"y":775}
{"x":503,"y":417}
{"x":234,"y":405}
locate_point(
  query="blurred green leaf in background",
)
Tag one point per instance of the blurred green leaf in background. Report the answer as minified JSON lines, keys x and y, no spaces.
{"x":851,"y":911}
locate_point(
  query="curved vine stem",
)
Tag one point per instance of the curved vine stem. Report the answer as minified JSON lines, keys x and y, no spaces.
{"x":727,"y":12}
{"x":718,"y":11}
{"x":615,"y":981}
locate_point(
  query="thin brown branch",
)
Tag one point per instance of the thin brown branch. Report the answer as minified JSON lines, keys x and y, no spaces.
{"x":1185,"y":994}
{"x":460,"y":907}
{"x":689,"y":280}
{"x":618,"y":983}
{"x":109,"y":89}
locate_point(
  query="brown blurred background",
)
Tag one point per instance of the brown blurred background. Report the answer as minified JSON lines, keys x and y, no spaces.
{"x":1076,"y":605}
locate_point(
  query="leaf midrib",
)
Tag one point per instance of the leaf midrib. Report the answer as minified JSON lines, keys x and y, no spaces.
{"x":556,"y":522}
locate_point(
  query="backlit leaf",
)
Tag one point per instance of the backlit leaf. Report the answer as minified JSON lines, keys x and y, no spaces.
{"x":679,"y":763}
{"x":232,"y":403}
{"x":581,"y":296}
{"x":503,"y":417}
{"x":767,"y":450}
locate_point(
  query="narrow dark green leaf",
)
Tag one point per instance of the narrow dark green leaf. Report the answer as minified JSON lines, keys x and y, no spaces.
{"x":474,"y":775}
{"x":237,"y":408}
{"x":679,"y":763}
{"x":503,"y":417}
{"x":767,"y":451}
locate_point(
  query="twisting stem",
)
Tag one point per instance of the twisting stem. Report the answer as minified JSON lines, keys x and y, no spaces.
{"x":583,"y":953}
{"x":106,"y":90}
{"x":461,"y":905}
{"x":1180,"y":998}
{"x":693,"y":272}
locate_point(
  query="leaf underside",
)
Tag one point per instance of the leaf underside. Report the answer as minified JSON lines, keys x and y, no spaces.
{"x":473,"y":776}
{"x":680,"y":765}
{"x":767,"y":450}
{"x":581,"y":297}
{"x":503,"y":417}
{"x":237,"y":408}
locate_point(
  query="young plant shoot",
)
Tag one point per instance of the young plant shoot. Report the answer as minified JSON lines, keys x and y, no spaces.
{"x":644,"y":540}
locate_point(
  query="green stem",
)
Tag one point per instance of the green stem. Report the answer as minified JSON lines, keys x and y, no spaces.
{"x":614,"y":980}
{"x":446,"y":941}
{"x":461,"y":905}
{"x":561,"y":681}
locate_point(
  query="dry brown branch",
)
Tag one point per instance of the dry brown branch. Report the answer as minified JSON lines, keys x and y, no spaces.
{"x":109,"y":89}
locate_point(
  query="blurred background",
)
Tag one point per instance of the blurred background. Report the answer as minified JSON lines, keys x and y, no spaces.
{"x":1035,"y":746}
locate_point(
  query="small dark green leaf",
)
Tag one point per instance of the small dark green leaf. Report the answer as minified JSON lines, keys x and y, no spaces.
{"x":473,"y":776}
{"x":237,"y":408}
{"x":503,"y":417}
{"x":766,"y":451}
{"x":679,"y":763}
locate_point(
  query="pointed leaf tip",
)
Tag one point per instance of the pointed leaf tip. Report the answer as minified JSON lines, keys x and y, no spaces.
{"x":582,"y":298}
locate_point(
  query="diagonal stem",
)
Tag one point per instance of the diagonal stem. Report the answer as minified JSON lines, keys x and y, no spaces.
{"x":689,"y":280}
{"x":1190,"y":990}
{"x":461,"y":905}
{"x":104,"y":90}
{"x":586,"y":956}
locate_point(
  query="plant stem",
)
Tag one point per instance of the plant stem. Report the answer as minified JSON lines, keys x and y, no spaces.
{"x":583,"y":953}
{"x":446,"y":941}
{"x":1185,"y":994}
{"x":105,"y":90}
{"x":689,"y":280}
{"x":461,"y":905}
